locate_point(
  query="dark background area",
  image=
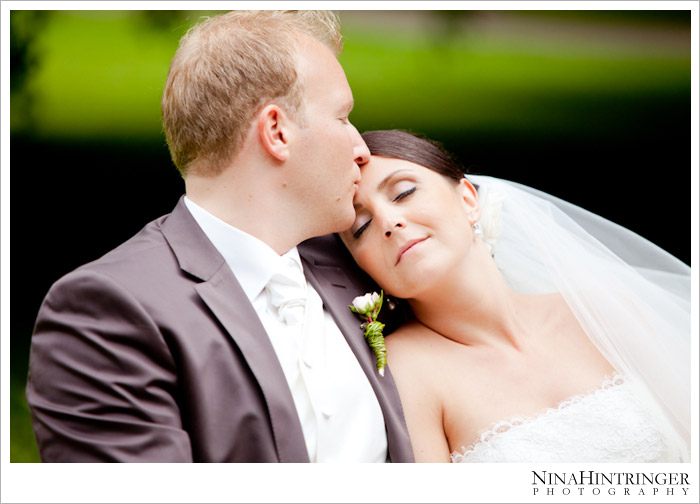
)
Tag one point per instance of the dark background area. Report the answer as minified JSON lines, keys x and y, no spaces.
{"x":622,"y":152}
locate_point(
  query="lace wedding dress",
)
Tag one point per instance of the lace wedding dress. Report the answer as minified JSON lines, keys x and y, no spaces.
{"x":607,"y":425}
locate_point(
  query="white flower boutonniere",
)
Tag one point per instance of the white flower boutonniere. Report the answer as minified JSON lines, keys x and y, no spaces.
{"x":367,"y":307}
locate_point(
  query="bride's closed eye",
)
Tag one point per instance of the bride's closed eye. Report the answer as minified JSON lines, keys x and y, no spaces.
{"x":361,"y":230}
{"x":402,"y":195}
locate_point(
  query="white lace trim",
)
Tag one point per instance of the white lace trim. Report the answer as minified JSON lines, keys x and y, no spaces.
{"x":503,"y":426}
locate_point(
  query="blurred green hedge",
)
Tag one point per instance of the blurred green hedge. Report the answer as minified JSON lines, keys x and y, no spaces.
{"x":100,"y":74}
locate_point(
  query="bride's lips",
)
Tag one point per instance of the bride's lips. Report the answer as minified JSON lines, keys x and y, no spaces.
{"x":406,"y":246}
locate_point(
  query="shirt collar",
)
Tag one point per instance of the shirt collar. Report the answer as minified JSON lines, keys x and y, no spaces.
{"x":251,"y":260}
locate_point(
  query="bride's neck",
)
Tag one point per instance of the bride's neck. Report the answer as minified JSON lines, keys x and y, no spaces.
{"x":473,"y":306}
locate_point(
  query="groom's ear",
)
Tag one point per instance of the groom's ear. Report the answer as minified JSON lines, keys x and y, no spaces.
{"x":470,"y":200}
{"x":273,"y":131}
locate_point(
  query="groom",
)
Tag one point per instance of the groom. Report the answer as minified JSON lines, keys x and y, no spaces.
{"x":210,"y":336}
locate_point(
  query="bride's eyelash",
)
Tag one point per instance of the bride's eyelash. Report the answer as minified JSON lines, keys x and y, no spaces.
{"x":361,"y":230}
{"x":404,"y":194}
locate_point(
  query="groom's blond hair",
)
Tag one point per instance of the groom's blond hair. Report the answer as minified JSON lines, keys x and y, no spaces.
{"x":224,"y":70}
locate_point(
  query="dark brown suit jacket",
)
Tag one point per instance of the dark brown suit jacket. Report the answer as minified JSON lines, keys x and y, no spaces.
{"x":153,"y":353}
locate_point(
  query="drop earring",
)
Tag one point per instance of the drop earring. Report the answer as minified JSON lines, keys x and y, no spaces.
{"x":476,"y":227}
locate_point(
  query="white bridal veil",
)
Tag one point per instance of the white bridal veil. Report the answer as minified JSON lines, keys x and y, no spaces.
{"x":631,"y":297}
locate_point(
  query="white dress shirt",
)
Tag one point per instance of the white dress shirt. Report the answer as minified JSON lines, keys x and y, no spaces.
{"x":338,"y":410}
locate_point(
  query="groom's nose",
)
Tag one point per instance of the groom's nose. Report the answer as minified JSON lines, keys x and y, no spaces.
{"x":361,"y":154}
{"x":361,"y":151}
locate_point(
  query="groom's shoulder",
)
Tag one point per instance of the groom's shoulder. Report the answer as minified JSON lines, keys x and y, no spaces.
{"x":134,"y":261}
{"x":148,"y":241}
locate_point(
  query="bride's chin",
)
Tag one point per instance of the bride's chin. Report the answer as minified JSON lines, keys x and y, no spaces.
{"x":409,"y":289}
{"x":425,"y":283}
{"x":396,"y":289}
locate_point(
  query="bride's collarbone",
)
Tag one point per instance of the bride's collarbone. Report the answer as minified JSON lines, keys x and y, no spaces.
{"x":549,"y":365}
{"x":542,"y":377}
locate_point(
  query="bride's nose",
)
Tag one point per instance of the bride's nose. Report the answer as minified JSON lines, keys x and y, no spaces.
{"x":392,"y":226}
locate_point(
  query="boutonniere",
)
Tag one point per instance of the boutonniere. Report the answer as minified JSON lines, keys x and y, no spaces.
{"x":367,"y":307}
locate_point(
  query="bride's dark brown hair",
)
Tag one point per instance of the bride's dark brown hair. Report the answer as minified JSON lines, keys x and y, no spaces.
{"x":411,"y":147}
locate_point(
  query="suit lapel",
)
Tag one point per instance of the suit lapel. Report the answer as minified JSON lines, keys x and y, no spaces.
{"x":222,"y":293}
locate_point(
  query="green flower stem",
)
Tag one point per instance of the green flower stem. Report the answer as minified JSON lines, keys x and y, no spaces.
{"x":375,"y":338}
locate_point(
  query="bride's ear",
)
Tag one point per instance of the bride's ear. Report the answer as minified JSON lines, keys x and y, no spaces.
{"x":470,"y":200}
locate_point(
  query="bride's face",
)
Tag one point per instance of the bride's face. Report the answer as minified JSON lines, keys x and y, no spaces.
{"x":412,"y":225}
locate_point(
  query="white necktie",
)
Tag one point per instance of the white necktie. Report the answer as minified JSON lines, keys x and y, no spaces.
{"x":287,"y":291}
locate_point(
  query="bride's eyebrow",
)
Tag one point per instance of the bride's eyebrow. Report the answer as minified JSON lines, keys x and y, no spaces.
{"x":389,"y":178}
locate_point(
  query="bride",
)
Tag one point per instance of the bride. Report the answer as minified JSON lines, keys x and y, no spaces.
{"x":542,"y":333}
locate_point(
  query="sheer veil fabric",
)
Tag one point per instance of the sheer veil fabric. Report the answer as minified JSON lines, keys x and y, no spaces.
{"x":631,"y":297}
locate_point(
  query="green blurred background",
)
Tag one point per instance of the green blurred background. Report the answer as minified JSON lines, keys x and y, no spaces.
{"x":593,"y":106}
